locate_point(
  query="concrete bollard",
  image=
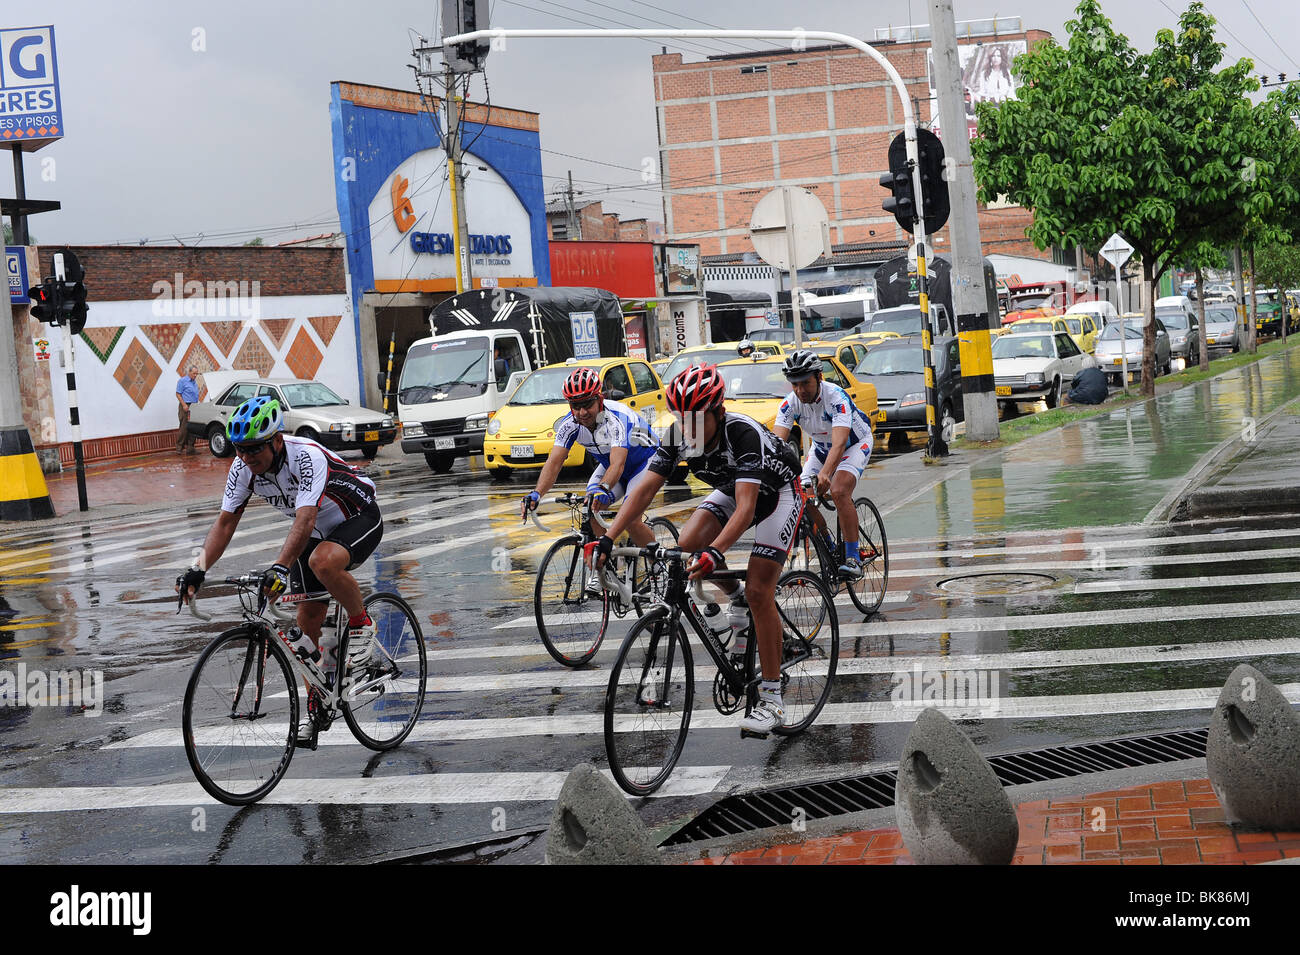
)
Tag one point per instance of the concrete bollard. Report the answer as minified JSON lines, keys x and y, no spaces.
{"x":594,"y":825}
{"x":950,"y":807}
{"x":1253,"y":753}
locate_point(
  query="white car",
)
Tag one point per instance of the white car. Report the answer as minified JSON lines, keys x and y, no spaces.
{"x":1035,"y":365}
{"x":1103,"y":312}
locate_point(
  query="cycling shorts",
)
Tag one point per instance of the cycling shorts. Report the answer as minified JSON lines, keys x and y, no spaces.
{"x":625,"y":483}
{"x":776,"y":517}
{"x":359,"y":536}
{"x":855,"y":460}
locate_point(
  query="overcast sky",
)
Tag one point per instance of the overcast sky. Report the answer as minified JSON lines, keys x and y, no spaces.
{"x":232,"y":140}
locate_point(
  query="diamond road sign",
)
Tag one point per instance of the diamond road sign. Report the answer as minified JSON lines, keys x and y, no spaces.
{"x":1116,"y":251}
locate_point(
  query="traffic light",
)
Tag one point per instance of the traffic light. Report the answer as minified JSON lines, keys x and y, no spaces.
{"x":45,"y":301}
{"x":465,"y":16}
{"x":72,"y":306}
{"x":934,"y":185}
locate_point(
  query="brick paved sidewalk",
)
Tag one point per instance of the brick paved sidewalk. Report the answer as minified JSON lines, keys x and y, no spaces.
{"x":1165,"y":823}
{"x":161,"y":479}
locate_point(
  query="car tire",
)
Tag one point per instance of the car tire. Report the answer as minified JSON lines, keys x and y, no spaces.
{"x":501,"y":474}
{"x":440,"y":461}
{"x":310,"y":434}
{"x":1053,"y":398}
{"x":370,"y":452}
{"x":219,"y":442}
{"x":679,"y":475}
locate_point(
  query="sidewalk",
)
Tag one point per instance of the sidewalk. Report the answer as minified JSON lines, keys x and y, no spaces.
{"x":1175,"y":822}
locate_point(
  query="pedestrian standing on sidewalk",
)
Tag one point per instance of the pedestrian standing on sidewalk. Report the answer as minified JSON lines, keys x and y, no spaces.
{"x":187,"y":392}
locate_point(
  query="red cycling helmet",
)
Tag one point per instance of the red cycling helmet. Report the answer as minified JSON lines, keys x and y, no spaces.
{"x":582,"y":384}
{"x":698,"y":388}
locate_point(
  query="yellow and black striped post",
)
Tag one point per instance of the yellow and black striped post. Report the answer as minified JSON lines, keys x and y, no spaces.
{"x":23,"y":493}
{"x":388,"y":379}
{"x":935,"y":446}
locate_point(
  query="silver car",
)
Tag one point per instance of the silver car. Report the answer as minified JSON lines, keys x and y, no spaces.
{"x":1221,"y":327}
{"x":1107,"y":351}
{"x":310,"y":409}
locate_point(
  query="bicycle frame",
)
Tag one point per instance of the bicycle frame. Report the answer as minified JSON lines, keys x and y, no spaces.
{"x":617,"y":582}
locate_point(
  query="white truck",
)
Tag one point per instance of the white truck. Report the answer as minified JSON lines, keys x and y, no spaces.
{"x":483,"y":344}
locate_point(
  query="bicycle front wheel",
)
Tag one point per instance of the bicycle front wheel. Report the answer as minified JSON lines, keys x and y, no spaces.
{"x":570,"y":622}
{"x":382,"y":703}
{"x":650,"y":577}
{"x":809,"y":553}
{"x":240,"y":716}
{"x":810,"y":648}
{"x":648,"y":703}
{"x":868,"y":592}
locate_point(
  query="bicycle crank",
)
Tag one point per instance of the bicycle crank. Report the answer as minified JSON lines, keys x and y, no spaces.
{"x":725,"y":700}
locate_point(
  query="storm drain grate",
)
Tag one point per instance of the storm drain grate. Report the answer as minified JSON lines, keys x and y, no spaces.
{"x":747,"y":812}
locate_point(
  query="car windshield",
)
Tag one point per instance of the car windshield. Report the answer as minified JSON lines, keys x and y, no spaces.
{"x":904,"y":321}
{"x":755,"y":380}
{"x":1172,"y":317}
{"x":891,"y":361}
{"x":312,"y":394}
{"x":455,"y":368}
{"x":543,"y":387}
{"x":1220,"y":316}
{"x":1042,"y":328}
{"x":1033,"y":346}
{"x":1032,"y":300}
{"x":1075,"y":326}
{"x":1132,"y":329}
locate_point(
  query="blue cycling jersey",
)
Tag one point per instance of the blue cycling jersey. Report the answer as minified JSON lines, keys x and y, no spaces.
{"x":616,"y":426}
{"x":833,"y":408}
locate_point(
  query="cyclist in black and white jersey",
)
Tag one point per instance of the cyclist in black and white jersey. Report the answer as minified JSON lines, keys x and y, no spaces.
{"x":753,"y":476}
{"x":336,"y":524}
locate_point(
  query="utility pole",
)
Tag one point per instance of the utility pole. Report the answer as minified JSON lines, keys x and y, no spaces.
{"x":451,"y":105}
{"x":575,"y":226}
{"x":970,"y":300}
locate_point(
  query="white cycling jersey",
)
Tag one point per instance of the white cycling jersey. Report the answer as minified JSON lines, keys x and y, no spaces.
{"x":308,"y":475}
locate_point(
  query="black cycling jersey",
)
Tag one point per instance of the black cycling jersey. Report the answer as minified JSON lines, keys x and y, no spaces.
{"x":746,"y":453}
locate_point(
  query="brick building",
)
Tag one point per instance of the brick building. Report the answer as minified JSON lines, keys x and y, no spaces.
{"x":594,"y":224}
{"x":733,"y":127}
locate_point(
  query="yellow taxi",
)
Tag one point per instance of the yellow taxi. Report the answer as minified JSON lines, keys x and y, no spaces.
{"x":868,"y":339}
{"x":1072,"y":325}
{"x":757,"y":388}
{"x":521,"y":434}
{"x":713,"y":355}
{"x":848,"y":353}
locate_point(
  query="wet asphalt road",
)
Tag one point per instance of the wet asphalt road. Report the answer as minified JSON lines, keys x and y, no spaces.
{"x":1131,"y":629}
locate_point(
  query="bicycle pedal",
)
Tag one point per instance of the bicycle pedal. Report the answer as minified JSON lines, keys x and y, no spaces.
{"x":309,"y":742}
{"x":750,"y":734}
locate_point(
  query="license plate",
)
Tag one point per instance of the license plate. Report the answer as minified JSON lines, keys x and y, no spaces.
{"x":444,"y":444}
{"x":521,"y":450}
{"x":1003,"y":389}
{"x":371,"y":436}
{"x":1210,"y":341}
{"x":1117,"y":361}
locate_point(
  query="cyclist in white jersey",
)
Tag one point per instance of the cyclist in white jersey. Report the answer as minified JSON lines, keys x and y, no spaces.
{"x":840,"y":443}
{"x":616,"y":437}
{"x":336,"y":524}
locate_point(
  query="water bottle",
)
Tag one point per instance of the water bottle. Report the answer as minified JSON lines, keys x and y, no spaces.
{"x":302,"y":645}
{"x":329,"y":649}
{"x":738,"y":620}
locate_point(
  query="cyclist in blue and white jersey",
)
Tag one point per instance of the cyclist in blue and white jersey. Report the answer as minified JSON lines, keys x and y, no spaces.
{"x":617,"y":437}
{"x":840,"y":448}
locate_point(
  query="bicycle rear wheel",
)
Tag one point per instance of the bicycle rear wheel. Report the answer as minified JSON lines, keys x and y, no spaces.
{"x":240,"y":716}
{"x":570,"y":623}
{"x":648,"y":703}
{"x":382,"y":703}
{"x":810,"y":647}
{"x":868,"y":592}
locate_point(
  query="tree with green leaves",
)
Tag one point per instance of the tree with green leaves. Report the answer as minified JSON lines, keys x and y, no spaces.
{"x":1104,"y":139}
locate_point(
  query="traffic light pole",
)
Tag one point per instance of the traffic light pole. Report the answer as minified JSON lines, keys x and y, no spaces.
{"x":75,"y":415}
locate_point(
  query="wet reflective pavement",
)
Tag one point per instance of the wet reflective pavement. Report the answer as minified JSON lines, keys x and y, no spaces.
{"x":1133,"y":633}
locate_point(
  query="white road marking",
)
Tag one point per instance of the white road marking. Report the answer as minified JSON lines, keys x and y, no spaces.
{"x":439,"y":788}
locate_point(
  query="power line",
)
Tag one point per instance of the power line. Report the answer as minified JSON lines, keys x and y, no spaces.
{"x":1268,"y":34}
{"x":546,"y":13}
{"x":1219,"y":21}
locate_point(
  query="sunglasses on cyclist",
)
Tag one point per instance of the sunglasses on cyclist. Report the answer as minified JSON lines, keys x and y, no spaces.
{"x":249,"y":450}
{"x":581,"y":405}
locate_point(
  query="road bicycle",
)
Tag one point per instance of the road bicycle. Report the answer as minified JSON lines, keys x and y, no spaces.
{"x":652,"y":685}
{"x":810,"y":551}
{"x":240,"y":718}
{"x":572,"y":622}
